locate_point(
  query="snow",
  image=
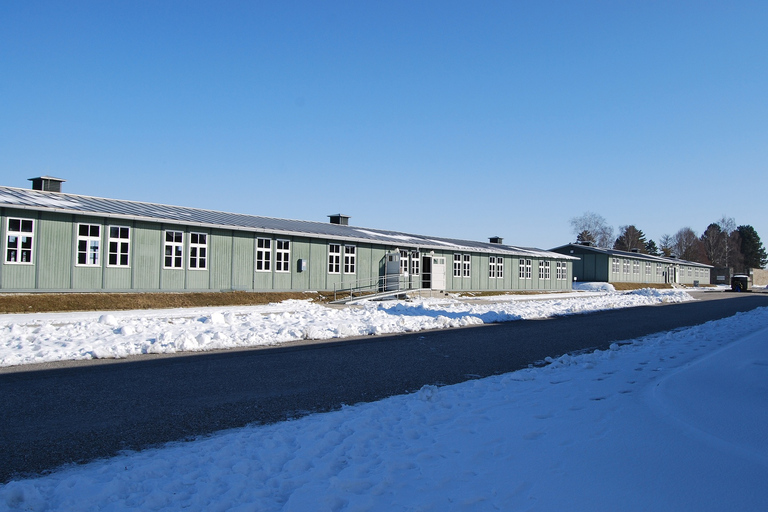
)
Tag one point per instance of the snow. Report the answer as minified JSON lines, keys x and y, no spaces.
{"x":38,"y":338}
{"x":671,"y":421}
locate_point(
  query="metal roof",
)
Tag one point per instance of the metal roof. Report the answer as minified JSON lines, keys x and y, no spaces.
{"x":59,"y":202}
{"x":628,"y":254}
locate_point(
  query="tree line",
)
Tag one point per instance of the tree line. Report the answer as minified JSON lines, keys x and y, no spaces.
{"x":722,"y":244}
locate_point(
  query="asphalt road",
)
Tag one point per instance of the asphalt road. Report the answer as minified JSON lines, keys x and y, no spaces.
{"x":76,"y":412}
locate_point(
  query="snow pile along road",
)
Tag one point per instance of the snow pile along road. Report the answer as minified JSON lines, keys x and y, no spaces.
{"x":26,"y":339}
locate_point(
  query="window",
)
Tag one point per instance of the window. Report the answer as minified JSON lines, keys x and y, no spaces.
{"x":626,"y":266}
{"x":658,"y":269}
{"x":349,"y":259}
{"x":198,"y":251}
{"x":415,"y":262}
{"x":404,"y":262}
{"x":282,"y":255}
{"x":457,"y":265}
{"x":88,"y":243}
{"x":690,"y":271}
{"x":18,"y":246}
{"x":561,"y":271}
{"x":334,"y":259}
{"x":119,"y":246}
{"x":647,"y":269}
{"x":174,"y":249}
{"x":525,"y":269}
{"x":466,"y":268}
{"x":263,"y":255}
{"x":615,"y":266}
{"x":496,"y":267}
{"x":544,"y":272}
{"x":635,"y":267}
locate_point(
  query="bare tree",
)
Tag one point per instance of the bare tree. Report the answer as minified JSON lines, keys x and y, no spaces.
{"x":728,"y":226}
{"x":687,"y":245}
{"x":715,"y":243}
{"x":596,"y":225}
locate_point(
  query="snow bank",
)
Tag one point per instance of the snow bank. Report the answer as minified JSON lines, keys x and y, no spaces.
{"x":26,"y":339}
{"x":594,"y":287}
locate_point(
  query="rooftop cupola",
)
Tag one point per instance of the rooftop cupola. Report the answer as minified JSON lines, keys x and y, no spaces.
{"x":47,"y":183}
{"x":341,"y":219}
{"x":496,"y":240}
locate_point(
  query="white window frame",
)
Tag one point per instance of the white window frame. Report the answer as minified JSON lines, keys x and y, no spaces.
{"x":635,"y":267}
{"x":88,"y":245}
{"x":404,"y":260}
{"x":282,"y":255}
{"x":561,"y":271}
{"x":118,"y":246}
{"x":544,"y":270}
{"x":263,"y":255}
{"x":466,"y":266}
{"x":615,"y":265}
{"x":496,"y":267}
{"x":457,"y":265}
{"x":658,"y":270}
{"x":525,"y":268}
{"x":173,"y":249}
{"x":198,"y":251}
{"x":647,"y":269}
{"x":415,"y":263}
{"x":21,"y":237}
{"x":334,"y":258}
{"x":625,"y":267}
{"x":350,"y":259}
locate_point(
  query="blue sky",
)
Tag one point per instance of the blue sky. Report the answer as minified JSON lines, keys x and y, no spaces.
{"x":459,"y":119}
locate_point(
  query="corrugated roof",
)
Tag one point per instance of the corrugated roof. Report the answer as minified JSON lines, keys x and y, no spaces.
{"x":134,"y":210}
{"x":628,"y":254}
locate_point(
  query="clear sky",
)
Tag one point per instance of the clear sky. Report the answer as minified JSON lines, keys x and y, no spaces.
{"x":460,"y":119}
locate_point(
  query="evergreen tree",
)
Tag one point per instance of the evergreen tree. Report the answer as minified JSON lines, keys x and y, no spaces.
{"x":752,"y":248}
{"x":630,"y":238}
{"x":650,"y":248}
{"x":585,"y":236}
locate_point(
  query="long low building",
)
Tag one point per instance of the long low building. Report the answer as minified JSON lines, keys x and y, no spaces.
{"x":614,"y":266}
{"x":66,"y":242}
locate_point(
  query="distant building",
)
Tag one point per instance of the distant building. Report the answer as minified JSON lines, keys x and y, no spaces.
{"x":613,"y":266}
{"x":54,"y":241}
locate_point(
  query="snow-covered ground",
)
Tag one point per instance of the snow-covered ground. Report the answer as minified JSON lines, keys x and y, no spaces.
{"x":673,"y":421}
{"x":37,"y":338}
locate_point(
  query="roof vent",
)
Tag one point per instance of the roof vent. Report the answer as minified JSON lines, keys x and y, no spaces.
{"x":340,"y":219}
{"x":47,"y":183}
{"x":634,"y":249}
{"x":587,"y":243}
{"x":496,"y":240}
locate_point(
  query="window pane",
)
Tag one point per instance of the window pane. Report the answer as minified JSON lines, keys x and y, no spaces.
{"x":14,"y":225}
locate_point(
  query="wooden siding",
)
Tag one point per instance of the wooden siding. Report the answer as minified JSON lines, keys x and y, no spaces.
{"x":230,"y":262}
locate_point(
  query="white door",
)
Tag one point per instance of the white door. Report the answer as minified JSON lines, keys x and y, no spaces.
{"x":438,"y":273}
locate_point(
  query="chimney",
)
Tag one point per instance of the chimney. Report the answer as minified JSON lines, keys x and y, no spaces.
{"x":340,"y":219}
{"x":496,"y":240}
{"x":47,"y":183}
